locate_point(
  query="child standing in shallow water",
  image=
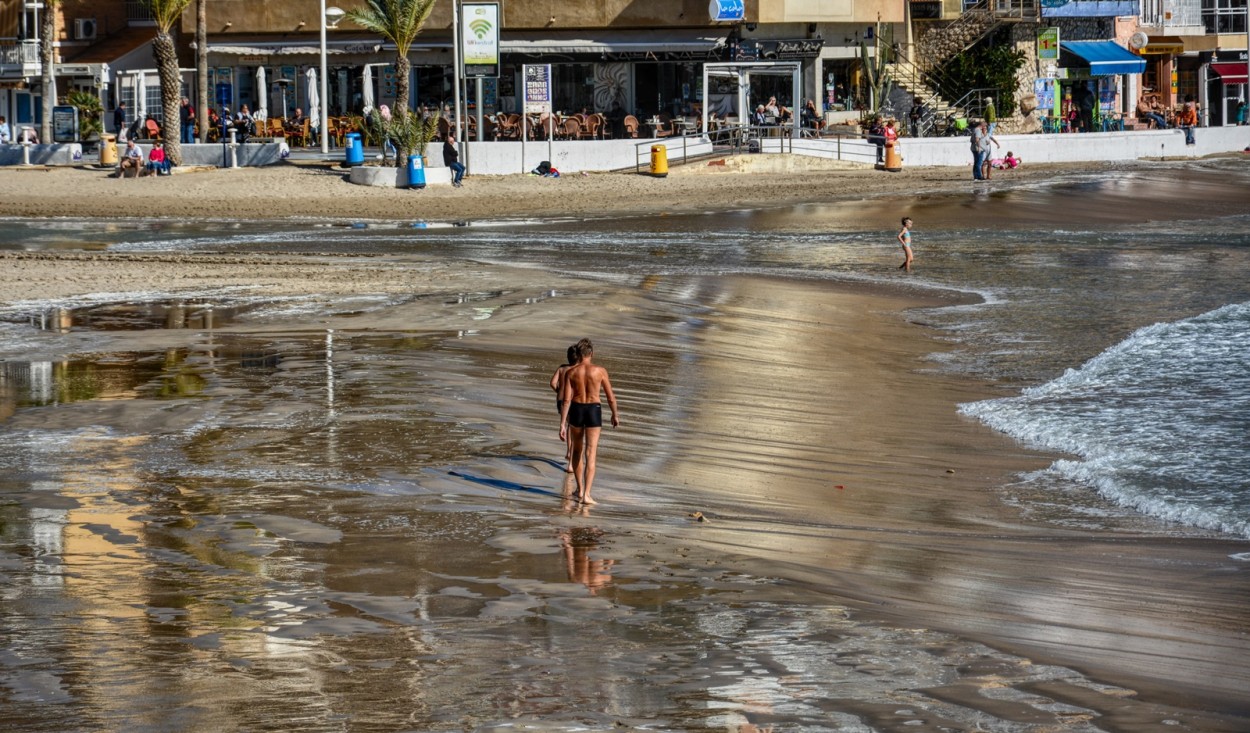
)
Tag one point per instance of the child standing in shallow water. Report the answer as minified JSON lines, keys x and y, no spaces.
{"x":904,"y":238}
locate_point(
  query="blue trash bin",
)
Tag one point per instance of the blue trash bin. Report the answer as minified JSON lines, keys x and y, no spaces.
{"x":355,"y":149}
{"x":416,"y":172}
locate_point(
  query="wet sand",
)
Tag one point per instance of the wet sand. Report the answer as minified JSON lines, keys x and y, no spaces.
{"x":314,"y":517}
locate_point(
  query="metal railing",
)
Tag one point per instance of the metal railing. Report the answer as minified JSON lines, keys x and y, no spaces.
{"x":730,"y":137}
{"x":139,"y":10}
{"x":973,"y":103}
{"x":740,"y":139}
{"x":19,"y":53}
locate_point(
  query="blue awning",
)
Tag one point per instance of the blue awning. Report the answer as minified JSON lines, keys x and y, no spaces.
{"x":1104,"y":57}
{"x":1089,"y":8}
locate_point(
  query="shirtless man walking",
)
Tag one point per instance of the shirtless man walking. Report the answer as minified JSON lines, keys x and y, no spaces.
{"x":581,"y":416}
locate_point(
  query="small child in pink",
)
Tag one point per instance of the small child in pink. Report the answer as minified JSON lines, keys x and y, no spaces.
{"x":1008,"y":162}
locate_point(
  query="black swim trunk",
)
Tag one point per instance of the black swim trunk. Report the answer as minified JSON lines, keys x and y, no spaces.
{"x":559,"y":406}
{"x":585,"y":415}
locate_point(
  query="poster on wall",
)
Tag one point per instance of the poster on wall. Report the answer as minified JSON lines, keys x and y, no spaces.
{"x":390,"y":83}
{"x":1107,"y":89}
{"x":1044,"y":89}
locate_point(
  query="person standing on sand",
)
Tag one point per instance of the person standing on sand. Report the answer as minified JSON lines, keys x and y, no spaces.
{"x":581,"y":418}
{"x":985,"y":139}
{"x":557,"y":386}
{"x":904,"y":238}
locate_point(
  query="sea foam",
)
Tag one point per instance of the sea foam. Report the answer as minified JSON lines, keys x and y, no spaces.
{"x":1157,"y":422}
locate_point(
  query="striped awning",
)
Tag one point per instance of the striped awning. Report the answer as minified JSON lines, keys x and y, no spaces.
{"x":1232,"y":72}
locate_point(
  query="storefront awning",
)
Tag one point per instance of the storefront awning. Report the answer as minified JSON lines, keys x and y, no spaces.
{"x":272,"y":50}
{"x":1232,"y":72}
{"x":1105,"y":57}
{"x":1090,"y":9}
{"x":612,"y":42}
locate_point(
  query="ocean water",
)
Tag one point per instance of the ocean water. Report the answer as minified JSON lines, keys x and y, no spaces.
{"x":1158,"y":422}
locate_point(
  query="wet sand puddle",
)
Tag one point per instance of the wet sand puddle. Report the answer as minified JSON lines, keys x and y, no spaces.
{"x":363,"y":527}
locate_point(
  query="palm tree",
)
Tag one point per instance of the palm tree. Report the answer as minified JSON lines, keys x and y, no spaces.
{"x":398,"y":21}
{"x":47,"y":37}
{"x":201,"y":67}
{"x":167,"y":13}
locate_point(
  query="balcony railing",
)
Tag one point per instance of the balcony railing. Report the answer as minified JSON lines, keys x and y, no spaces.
{"x":20,"y":58}
{"x":138,"y":11}
{"x":1171,"y":13}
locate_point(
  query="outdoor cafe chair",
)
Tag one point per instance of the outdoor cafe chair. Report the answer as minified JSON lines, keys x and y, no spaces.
{"x":602,"y":126}
{"x":301,"y":135}
{"x":590,"y":128}
{"x":631,"y":126}
{"x":507,"y":126}
{"x":664,"y":128}
{"x":572,"y":128}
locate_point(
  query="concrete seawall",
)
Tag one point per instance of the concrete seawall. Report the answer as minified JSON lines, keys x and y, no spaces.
{"x":572,"y":156}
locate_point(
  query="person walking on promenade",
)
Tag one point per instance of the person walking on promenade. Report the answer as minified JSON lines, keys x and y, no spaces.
{"x":991,"y":114}
{"x":451,"y":158}
{"x":904,"y":238}
{"x":119,"y":118}
{"x":1187,"y":119}
{"x":186,"y":122}
{"x":581,"y":418}
{"x":557,"y":386}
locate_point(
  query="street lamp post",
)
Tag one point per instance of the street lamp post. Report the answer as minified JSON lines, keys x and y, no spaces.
{"x":329,"y":19}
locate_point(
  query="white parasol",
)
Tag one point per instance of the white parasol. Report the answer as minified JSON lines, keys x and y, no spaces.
{"x":262,"y":94}
{"x":314,"y":100}
{"x":141,"y":96}
{"x":366,"y":81}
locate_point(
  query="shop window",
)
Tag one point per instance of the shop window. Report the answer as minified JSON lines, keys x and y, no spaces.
{"x":1186,"y":83}
{"x":574,"y":87}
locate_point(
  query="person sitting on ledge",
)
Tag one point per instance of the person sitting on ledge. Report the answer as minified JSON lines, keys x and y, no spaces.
{"x":1152,"y":118}
{"x":132,"y":160}
{"x":158,"y":164}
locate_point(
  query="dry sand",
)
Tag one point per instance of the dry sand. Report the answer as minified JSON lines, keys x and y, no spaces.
{"x":321,"y":191}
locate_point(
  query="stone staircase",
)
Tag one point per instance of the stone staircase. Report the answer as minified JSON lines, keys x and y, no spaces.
{"x":910,"y":78}
{"x":941,"y":43}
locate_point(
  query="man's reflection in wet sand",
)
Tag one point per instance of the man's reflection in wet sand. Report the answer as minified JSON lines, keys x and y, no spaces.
{"x":576,"y":544}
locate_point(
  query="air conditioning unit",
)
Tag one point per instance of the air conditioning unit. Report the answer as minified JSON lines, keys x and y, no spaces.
{"x":84,"y":29}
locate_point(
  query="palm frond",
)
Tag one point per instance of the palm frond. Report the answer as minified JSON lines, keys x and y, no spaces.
{"x":167,"y":13}
{"x":398,"y":21}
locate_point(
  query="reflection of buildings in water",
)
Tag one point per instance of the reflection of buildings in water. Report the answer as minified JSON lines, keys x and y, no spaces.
{"x":576,"y":544}
{"x":133,"y":317}
{"x":110,"y":376}
{"x":26,"y":383}
{"x":47,"y":536}
{"x":57,"y":320}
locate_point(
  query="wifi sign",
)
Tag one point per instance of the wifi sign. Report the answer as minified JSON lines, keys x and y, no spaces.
{"x":480,"y":27}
